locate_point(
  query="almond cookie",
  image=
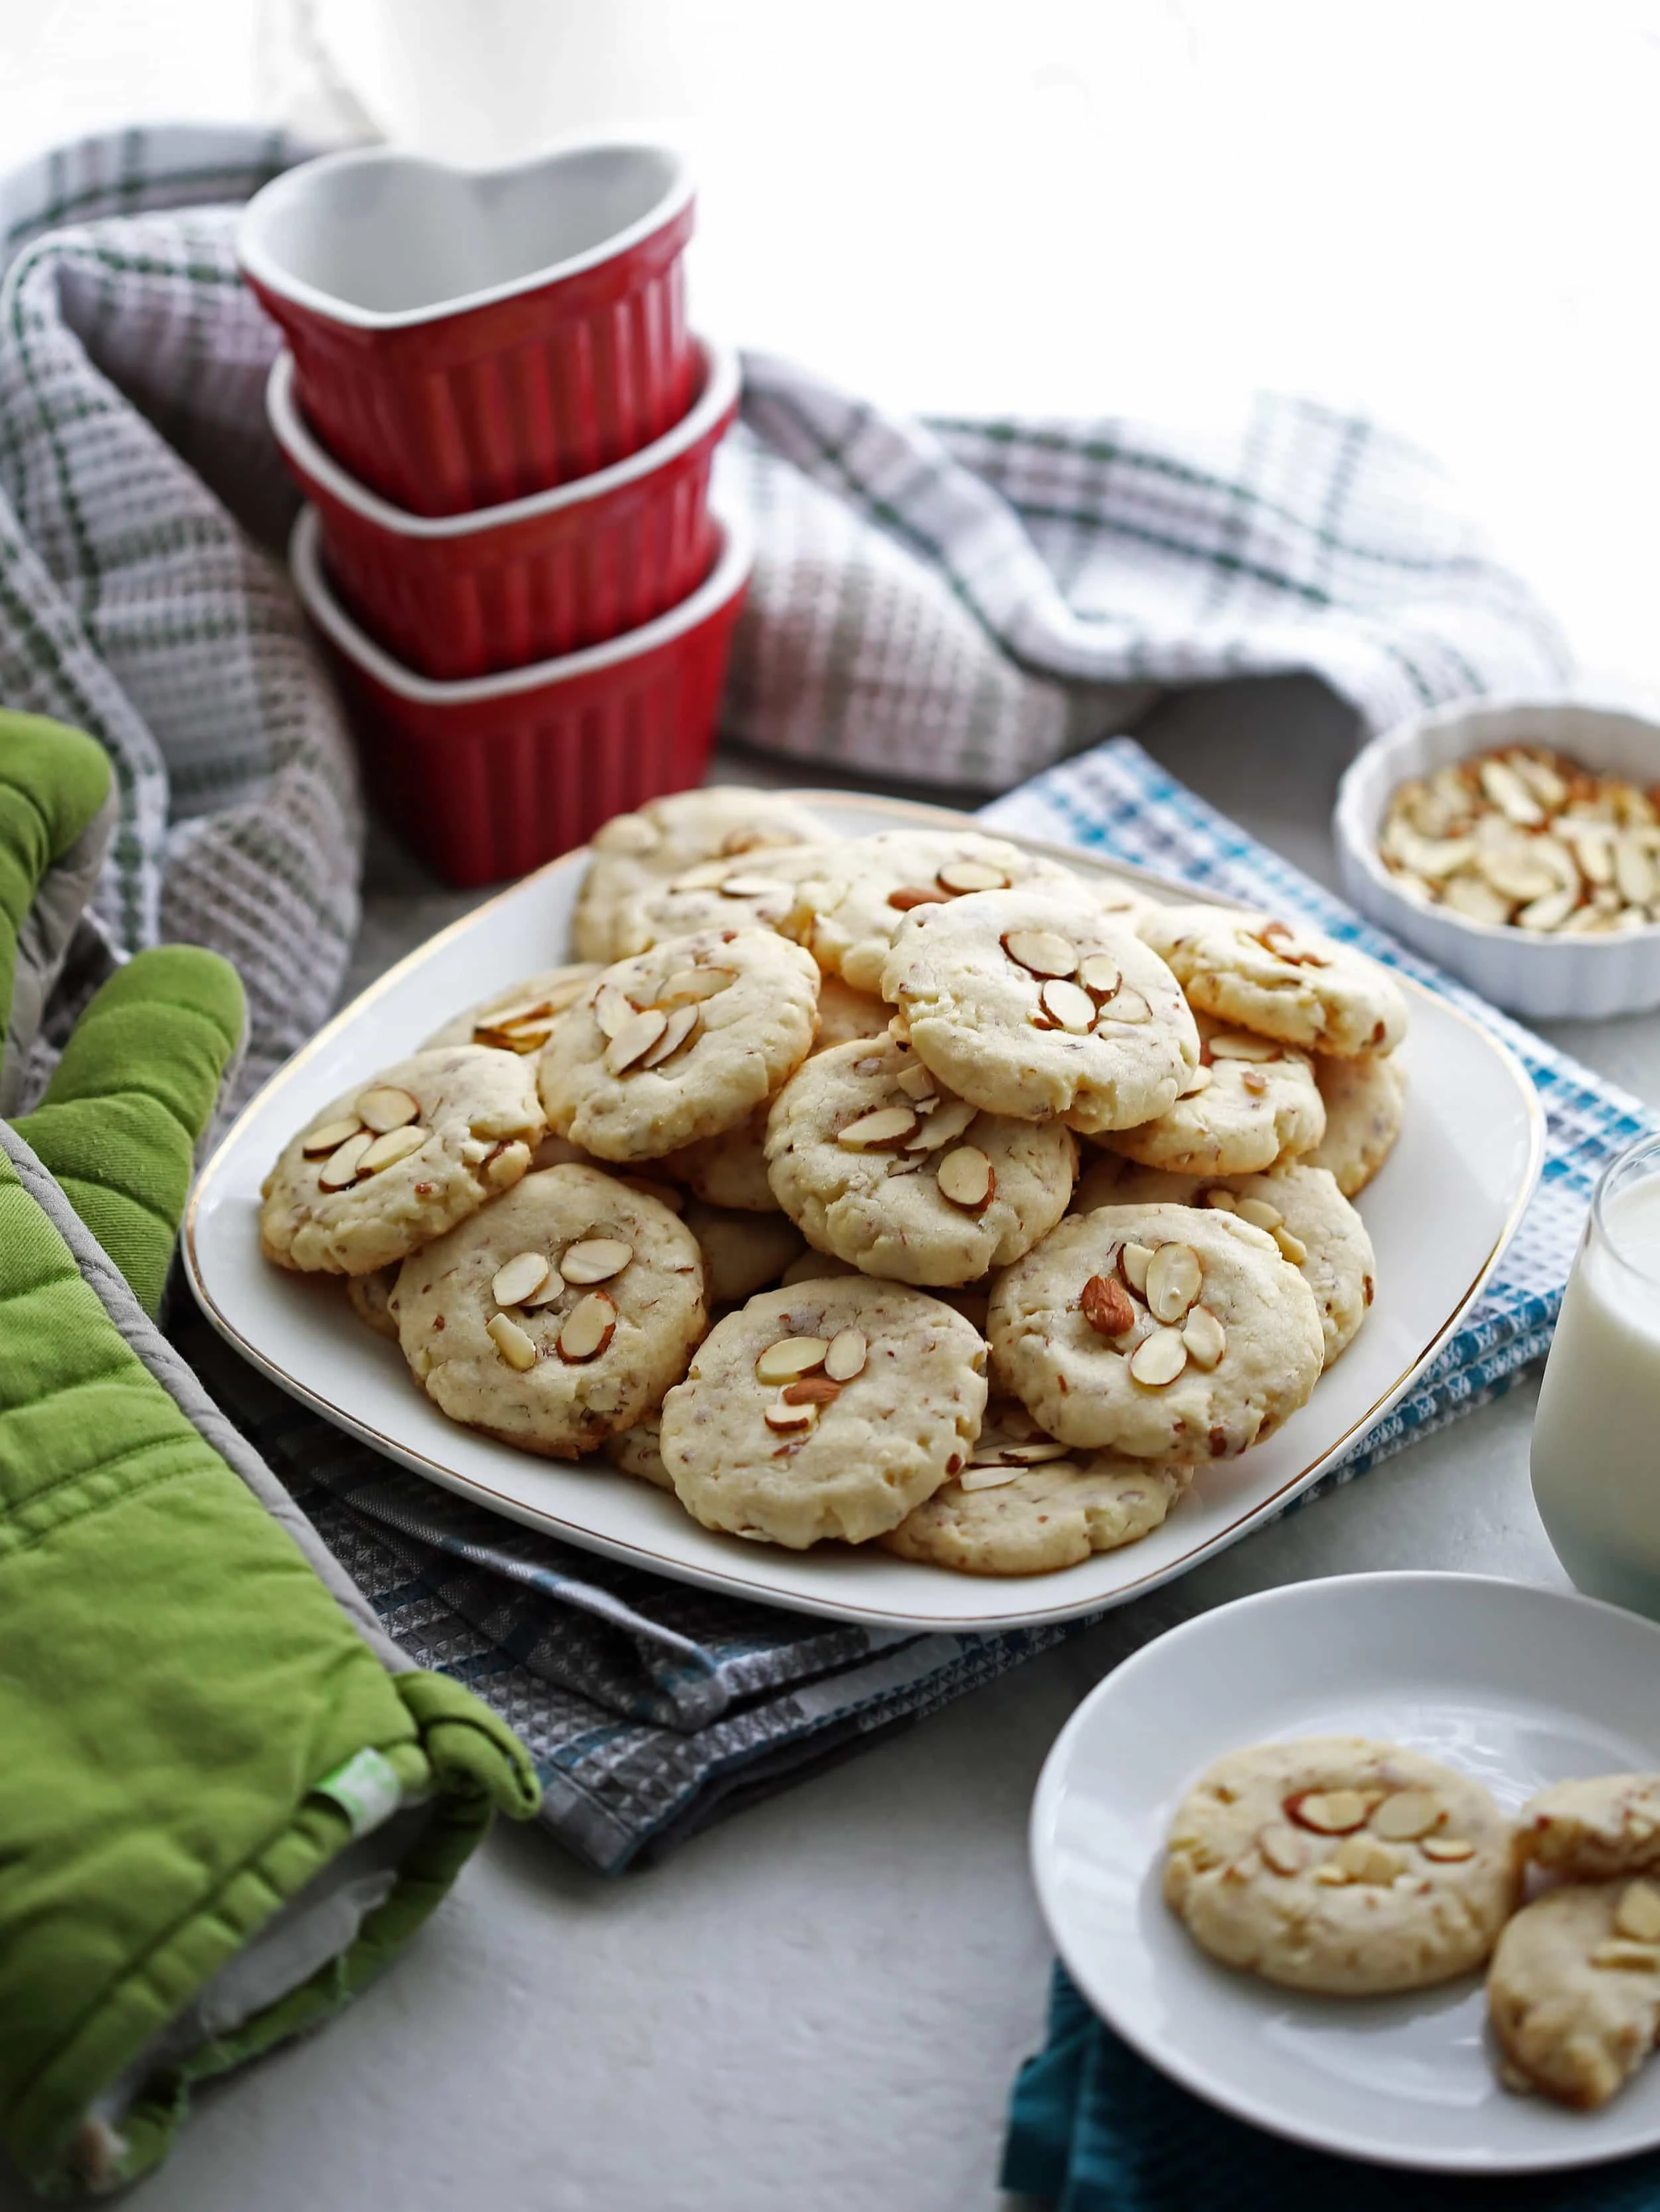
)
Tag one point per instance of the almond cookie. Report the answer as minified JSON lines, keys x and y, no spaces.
{"x":1573,"y":1992}
{"x":1592,"y":1831}
{"x":371,"y":1299}
{"x":1365,"y":1098}
{"x":634,"y":851}
{"x":743,"y":1252}
{"x":1340,"y":1865}
{"x":639,"y":1451}
{"x":1285,"y":982}
{"x":845,"y":1014}
{"x":759,"y":892}
{"x":400,"y":1158}
{"x":558,"y":1316}
{"x":1249,"y":1102}
{"x":851,"y":910}
{"x":826,"y":1411}
{"x":680,"y":1043}
{"x":1299,"y":1205}
{"x":878,"y":1163}
{"x":1030,"y":1004}
{"x":1162,"y":1332}
{"x":520,"y":1017}
{"x":730,"y":1170}
{"x":1027,"y":1505}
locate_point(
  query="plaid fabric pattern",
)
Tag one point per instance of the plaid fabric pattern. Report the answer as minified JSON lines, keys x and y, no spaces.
{"x":134,"y":462}
{"x":966,"y":602}
{"x":652,"y":1710}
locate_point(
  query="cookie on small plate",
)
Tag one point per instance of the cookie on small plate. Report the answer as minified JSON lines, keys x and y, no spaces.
{"x":1162,"y":1332}
{"x":1365,"y":1098}
{"x":1031,"y":1005}
{"x":1340,"y":1865}
{"x":1027,"y":1505}
{"x":1299,"y":1205}
{"x":518,"y":1017}
{"x":1250,"y":1101}
{"x":400,"y":1158}
{"x":852,"y":908}
{"x":1574,"y":1992}
{"x":680,"y":1043}
{"x":827,"y":1410}
{"x":633,"y":851}
{"x":878,"y":1163}
{"x":556,"y":1317}
{"x":1592,"y":1830}
{"x":1290,"y":983}
{"x":744,"y":1252}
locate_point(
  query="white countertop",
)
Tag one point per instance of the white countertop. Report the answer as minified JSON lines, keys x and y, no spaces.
{"x":821,"y":2004}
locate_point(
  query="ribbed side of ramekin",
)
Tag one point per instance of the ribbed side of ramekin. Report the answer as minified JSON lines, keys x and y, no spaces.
{"x":510,"y":772}
{"x":507,"y":399}
{"x":1545,"y":978}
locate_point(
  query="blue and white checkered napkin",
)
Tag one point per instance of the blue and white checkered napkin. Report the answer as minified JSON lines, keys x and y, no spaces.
{"x":652,"y":1709}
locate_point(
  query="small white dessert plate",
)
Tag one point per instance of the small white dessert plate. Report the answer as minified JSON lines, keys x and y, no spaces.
{"x":1467,"y":1162}
{"x":1518,"y":1686}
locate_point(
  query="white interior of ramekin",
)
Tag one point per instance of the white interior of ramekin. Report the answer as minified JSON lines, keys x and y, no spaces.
{"x":1612,"y":741}
{"x":721,"y":379}
{"x":724,"y":581}
{"x":380,"y":239}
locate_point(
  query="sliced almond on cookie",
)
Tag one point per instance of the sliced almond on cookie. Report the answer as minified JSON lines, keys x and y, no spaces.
{"x":511,"y":1341}
{"x":594,"y":1258}
{"x":1204,"y":1337}
{"x":387,"y":1152}
{"x":341,"y":1167}
{"x":965,"y":1177}
{"x":1041,"y":951}
{"x":790,"y":1357}
{"x":1159,"y":1358}
{"x":961,"y":876}
{"x":845,"y":1355}
{"x":329,"y":1136}
{"x":635,"y":1039}
{"x":587,"y":1327}
{"x":1175,"y":1278}
{"x":519,"y":1278}
{"x":883,"y":1125}
{"x":678,"y":1027}
{"x":386,"y":1107}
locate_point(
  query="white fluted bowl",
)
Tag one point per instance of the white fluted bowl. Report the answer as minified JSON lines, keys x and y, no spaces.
{"x":1543,"y":978}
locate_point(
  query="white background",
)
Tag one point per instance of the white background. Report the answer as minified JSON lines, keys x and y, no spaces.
{"x":1442,"y":210}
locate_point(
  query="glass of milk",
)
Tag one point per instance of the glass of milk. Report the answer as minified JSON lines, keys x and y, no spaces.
{"x":1596,"y":1434}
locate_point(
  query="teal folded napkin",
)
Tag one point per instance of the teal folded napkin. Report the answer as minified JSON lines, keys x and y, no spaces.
{"x":1094,"y":2128}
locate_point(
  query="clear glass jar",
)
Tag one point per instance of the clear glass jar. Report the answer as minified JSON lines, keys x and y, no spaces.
{"x":1596,"y":1434}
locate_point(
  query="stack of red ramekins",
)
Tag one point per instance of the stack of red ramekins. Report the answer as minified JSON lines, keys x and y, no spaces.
{"x":504,"y":431}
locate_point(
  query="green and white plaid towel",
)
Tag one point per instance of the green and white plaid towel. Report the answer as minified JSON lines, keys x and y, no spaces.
{"x":960,"y":602}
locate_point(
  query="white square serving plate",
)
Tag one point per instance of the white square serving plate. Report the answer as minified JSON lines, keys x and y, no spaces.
{"x":1467,"y":1159}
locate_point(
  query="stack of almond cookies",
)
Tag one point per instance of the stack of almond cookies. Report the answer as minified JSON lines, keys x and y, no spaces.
{"x":827,"y":1095}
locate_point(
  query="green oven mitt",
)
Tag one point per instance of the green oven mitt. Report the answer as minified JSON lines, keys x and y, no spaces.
{"x":226,"y":1800}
